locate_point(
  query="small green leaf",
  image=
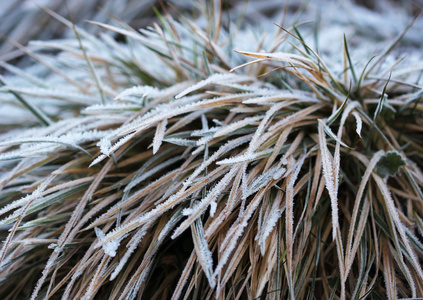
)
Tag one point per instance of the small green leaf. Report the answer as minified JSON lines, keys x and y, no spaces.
{"x":336,"y":114}
{"x":382,"y":101}
{"x":389,"y":164}
{"x":349,"y":59}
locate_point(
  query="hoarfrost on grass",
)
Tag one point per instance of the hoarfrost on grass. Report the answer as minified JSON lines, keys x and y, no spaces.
{"x":110,"y":247}
{"x":214,"y":79}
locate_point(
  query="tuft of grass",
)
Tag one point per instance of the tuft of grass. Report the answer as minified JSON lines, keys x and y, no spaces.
{"x":189,"y":162}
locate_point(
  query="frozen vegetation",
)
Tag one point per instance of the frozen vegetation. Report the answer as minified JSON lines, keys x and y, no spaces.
{"x":225,"y":150}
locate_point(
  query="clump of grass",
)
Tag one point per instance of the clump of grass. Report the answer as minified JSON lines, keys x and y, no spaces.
{"x":172,"y":167}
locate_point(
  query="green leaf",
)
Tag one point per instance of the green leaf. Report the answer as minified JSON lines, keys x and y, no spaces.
{"x":382,"y":101}
{"x":389,"y":164}
{"x":349,"y":59}
{"x":336,"y":114}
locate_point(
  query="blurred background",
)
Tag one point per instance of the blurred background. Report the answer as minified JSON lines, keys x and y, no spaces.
{"x":379,"y":20}
{"x":24,"y":20}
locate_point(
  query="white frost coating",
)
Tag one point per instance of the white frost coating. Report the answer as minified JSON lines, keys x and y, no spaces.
{"x":35,"y":197}
{"x":181,"y":142}
{"x":204,"y":122}
{"x":204,"y":255}
{"x":345,"y":114}
{"x":289,"y":219}
{"x":115,"y":208}
{"x":101,"y":268}
{"x":100,"y":108}
{"x":223,"y":149}
{"x":42,"y":145}
{"x":213,"y":79}
{"x":399,"y":225}
{"x":153,"y":214}
{"x":11,"y":217}
{"x":70,"y":138}
{"x":235,"y":232}
{"x":141,"y":176}
{"x":170,"y":111}
{"x":213,"y":206}
{"x":359,"y":122}
{"x":169,"y":226}
{"x":244,"y":182}
{"x":267,"y":99}
{"x":110,"y":247}
{"x":141,"y":90}
{"x":212,"y":196}
{"x":97,"y":160}
{"x":132,"y":246}
{"x":169,"y":107}
{"x":68,"y":95}
{"x":187,"y":211}
{"x":296,"y":171}
{"x":254,"y":144}
{"x":105,"y":146}
{"x":146,"y":91}
{"x":150,"y":119}
{"x":285,"y":121}
{"x":23,"y":74}
{"x":99,"y":233}
{"x":236,"y":125}
{"x":17,"y":203}
{"x":36,"y":151}
{"x":137,"y":238}
{"x":237,"y":159}
{"x":204,"y":132}
{"x":204,"y":140}
{"x":121,"y":141}
{"x":278,"y":174}
{"x":158,"y":137}
{"x":40,"y":281}
{"x":413,"y":237}
{"x":301,"y":96}
{"x":328,"y":173}
{"x":261,"y":181}
{"x":217,"y":122}
{"x":281,"y":56}
{"x":243,"y":158}
{"x":270,"y":223}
